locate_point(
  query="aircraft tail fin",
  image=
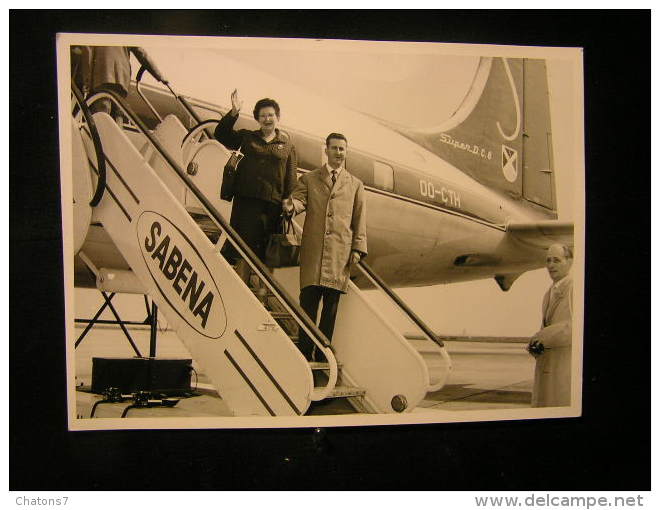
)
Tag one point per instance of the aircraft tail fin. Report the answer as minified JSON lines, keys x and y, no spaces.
{"x":500,"y":134}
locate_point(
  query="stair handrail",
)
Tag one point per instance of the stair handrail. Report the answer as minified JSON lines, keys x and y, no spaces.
{"x":428,"y":333}
{"x":380,"y":284}
{"x":192,"y":134}
{"x":303,"y":320}
{"x":138,"y":83}
{"x":182,"y":100}
{"x":98,"y":146}
{"x":185,"y":104}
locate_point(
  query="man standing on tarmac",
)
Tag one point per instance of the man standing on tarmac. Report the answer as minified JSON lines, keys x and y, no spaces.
{"x":551,"y":345}
{"x":334,"y":235}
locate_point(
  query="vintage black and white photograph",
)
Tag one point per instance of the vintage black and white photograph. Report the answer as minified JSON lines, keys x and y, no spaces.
{"x":266,"y":232}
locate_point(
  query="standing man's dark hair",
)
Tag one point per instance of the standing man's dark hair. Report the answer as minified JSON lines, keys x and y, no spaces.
{"x":337,"y":136}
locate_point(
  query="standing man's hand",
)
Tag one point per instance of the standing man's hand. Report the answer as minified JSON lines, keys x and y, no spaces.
{"x":535,"y":347}
{"x":287,"y":206}
{"x":236,"y":102}
{"x":355,"y":257}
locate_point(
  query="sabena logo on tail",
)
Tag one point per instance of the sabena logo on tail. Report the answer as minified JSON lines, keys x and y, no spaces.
{"x":181,"y":275}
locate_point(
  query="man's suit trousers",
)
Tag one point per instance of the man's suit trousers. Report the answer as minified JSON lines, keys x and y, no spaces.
{"x":310,"y":297}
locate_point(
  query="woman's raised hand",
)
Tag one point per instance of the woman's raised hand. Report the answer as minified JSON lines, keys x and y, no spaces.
{"x":236,"y":102}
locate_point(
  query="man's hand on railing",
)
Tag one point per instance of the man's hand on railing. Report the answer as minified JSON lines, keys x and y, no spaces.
{"x":146,"y":61}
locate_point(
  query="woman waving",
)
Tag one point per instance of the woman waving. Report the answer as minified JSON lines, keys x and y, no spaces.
{"x":265,"y":177}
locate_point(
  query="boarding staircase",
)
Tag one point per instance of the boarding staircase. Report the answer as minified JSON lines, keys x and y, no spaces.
{"x":168,"y":225}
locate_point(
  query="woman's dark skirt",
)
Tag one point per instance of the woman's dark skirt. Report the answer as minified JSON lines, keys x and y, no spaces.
{"x":254,"y":220}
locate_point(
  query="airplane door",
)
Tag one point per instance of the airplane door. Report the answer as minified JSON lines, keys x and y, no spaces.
{"x":383,"y":176}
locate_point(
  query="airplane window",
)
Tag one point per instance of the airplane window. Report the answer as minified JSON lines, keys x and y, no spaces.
{"x":383,"y":176}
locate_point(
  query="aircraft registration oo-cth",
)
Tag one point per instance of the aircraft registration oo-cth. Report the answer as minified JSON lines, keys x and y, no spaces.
{"x":471,"y":199}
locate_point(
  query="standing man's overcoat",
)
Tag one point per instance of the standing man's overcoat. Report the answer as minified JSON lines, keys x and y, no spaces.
{"x":335,"y":224}
{"x":552,"y":378}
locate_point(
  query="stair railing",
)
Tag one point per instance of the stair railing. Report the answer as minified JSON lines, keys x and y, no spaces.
{"x":182,"y":101}
{"x":303,"y":320}
{"x":98,"y":147}
{"x":380,"y":284}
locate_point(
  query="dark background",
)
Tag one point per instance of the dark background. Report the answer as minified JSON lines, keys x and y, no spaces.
{"x":608,"y":448}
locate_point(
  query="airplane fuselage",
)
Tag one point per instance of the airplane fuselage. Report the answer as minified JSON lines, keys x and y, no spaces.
{"x":427,"y":222}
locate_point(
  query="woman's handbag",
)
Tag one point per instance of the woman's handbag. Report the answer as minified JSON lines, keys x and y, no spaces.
{"x":283,"y":249}
{"x":227,"y":188}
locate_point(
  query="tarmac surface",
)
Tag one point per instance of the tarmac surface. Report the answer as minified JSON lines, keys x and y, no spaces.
{"x":485,"y":375}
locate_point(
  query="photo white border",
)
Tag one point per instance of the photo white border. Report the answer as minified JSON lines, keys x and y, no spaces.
{"x":574,"y":55}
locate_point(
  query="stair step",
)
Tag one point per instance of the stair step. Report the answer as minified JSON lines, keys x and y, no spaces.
{"x":281,"y":315}
{"x":423,"y":345}
{"x":267,"y":292}
{"x":427,"y":350}
{"x":205,"y":222}
{"x":321,"y":365}
{"x":347,"y":391}
{"x":439,"y":364}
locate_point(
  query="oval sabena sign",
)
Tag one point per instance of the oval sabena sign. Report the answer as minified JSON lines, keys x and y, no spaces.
{"x":181,"y":275}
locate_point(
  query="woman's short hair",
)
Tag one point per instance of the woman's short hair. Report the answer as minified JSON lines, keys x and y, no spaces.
{"x":265,"y":103}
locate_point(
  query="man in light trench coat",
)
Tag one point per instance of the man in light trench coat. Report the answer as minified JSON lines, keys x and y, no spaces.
{"x":334,"y":235}
{"x":551,"y":345}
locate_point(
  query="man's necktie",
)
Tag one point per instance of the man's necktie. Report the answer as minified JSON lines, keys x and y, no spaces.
{"x":334,"y":178}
